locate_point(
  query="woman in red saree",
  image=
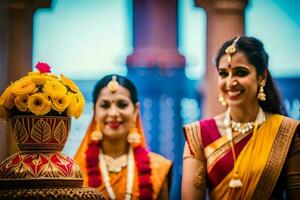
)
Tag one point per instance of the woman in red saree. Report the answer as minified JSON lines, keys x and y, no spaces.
{"x":252,"y":151}
{"x":113,"y":156}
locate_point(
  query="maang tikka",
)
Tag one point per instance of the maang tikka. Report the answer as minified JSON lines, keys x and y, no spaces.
{"x":113,"y":85}
{"x":231,"y":50}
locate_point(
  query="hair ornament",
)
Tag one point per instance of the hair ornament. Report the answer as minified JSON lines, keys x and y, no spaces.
{"x":113,"y":85}
{"x":231,"y":49}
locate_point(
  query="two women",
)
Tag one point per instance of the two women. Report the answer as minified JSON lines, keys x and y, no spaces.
{"x":251,"y":151}
{"x":113,"y":156}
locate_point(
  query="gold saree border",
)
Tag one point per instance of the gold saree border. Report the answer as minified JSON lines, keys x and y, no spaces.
{"x":276,"y":159}
{"x":220,"y":149}
{"x":193,"y":137}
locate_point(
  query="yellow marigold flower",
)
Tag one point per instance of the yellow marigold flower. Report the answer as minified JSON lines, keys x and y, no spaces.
{"x":80,"y":105}
{"x":53,"y":76}
{"x":34,"y":73}
{"x":3,"y":113}
{"x":40,"y":79}
{"x":54,"y":89}
{"x":61,"y":103}
{"x":21,"y":102}
{"x":72,"y":104}
{"x":69,"y":83}
{"x":39,"y":104}
{"x":23,"y":86}
{"x":7,"y":98}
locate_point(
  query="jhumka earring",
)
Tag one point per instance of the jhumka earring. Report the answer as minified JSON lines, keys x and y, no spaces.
{"x":222,"y":100}
{"x":134,"y":137}
{"x":230,"y":50}
{"x":113,"y":85}
{"x":97,"y":135}
{"x":261,"y":95}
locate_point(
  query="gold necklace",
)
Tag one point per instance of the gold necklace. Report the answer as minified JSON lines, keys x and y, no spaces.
{"x":130,"y":175}
{"x":242,"y":127}
{"x":115,"y":165}
{"x":235,"y":181}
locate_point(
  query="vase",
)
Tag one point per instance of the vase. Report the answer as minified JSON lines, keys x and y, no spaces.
{"x":40,"y":170}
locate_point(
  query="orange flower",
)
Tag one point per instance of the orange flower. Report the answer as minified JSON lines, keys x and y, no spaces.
{"x":40,"y":92}
{"x":23,"y":86}
{"x":21,"y":102}
{"x":7,"y":98}
{"x":61,"y":103}
{"x":39,"y":104}
{"x":54,"y":89}
{"x":69,"y":83}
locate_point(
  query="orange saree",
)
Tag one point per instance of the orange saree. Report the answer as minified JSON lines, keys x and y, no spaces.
{"x":260,"y":157}
{"x":159,"y":166}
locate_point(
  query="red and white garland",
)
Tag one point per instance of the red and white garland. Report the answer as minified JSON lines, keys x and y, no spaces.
{"x":142,"y":161}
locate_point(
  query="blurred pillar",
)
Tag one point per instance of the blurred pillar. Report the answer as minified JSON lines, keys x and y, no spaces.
{"x":155,"y":35}
{"x":157,"y":69}
{"x":16,"y":50}
{"x":3,"y":71}
{"x":225,"y":20}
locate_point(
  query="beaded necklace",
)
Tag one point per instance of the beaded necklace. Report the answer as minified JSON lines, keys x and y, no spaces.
{"x":142,"y":162}
{"x":236,"y":182}
{"x":242,"y":127}
{"x":130,"y":175}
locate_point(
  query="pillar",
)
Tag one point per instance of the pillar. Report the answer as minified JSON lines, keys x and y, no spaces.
{"x":225,"y":20}
{"x":155,"y":35}
{"x":16,"y":51}
{"x":157,"y":69}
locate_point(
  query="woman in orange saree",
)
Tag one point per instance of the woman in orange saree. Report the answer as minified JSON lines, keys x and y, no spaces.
{"x":251,"y":151}
{"x":113,"y":155}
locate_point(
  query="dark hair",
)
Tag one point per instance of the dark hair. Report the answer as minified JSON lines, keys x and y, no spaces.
{"x":256,"y":55}
{"x":123,"y":81}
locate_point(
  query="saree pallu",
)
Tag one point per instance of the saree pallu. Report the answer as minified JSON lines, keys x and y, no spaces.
{"x":160,"y":168}
{"x":260,"y":157}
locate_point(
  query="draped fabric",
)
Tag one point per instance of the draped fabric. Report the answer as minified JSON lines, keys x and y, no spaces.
{"x":160,"y":168}
{"x":256,"y":161}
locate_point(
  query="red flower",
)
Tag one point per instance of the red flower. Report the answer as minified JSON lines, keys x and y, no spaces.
{"x":43,"y":67}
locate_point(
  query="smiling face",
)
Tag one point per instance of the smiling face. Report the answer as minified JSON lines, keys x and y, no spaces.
{"x":115,"y":113}
{"x":238,"y":83}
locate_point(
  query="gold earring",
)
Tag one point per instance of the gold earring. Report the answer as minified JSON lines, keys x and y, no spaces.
{"x":97,"y":135}
{"x":222,"y":100}
{"x":134,"y":137}
{"x":261,"y":95}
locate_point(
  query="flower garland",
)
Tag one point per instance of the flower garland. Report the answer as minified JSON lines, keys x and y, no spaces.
{"x":144,"y":171}
{"x":92,"y":162}
{"x":130,"y":175}
{"x":142,"y":161}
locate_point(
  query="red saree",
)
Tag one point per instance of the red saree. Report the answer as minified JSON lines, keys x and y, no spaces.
{"x":260,"y":157}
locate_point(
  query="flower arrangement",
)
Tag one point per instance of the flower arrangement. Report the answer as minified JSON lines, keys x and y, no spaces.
{"x":42,"y":93}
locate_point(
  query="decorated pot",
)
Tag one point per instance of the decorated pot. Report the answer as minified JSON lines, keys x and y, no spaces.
{"x":46,"y":133}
